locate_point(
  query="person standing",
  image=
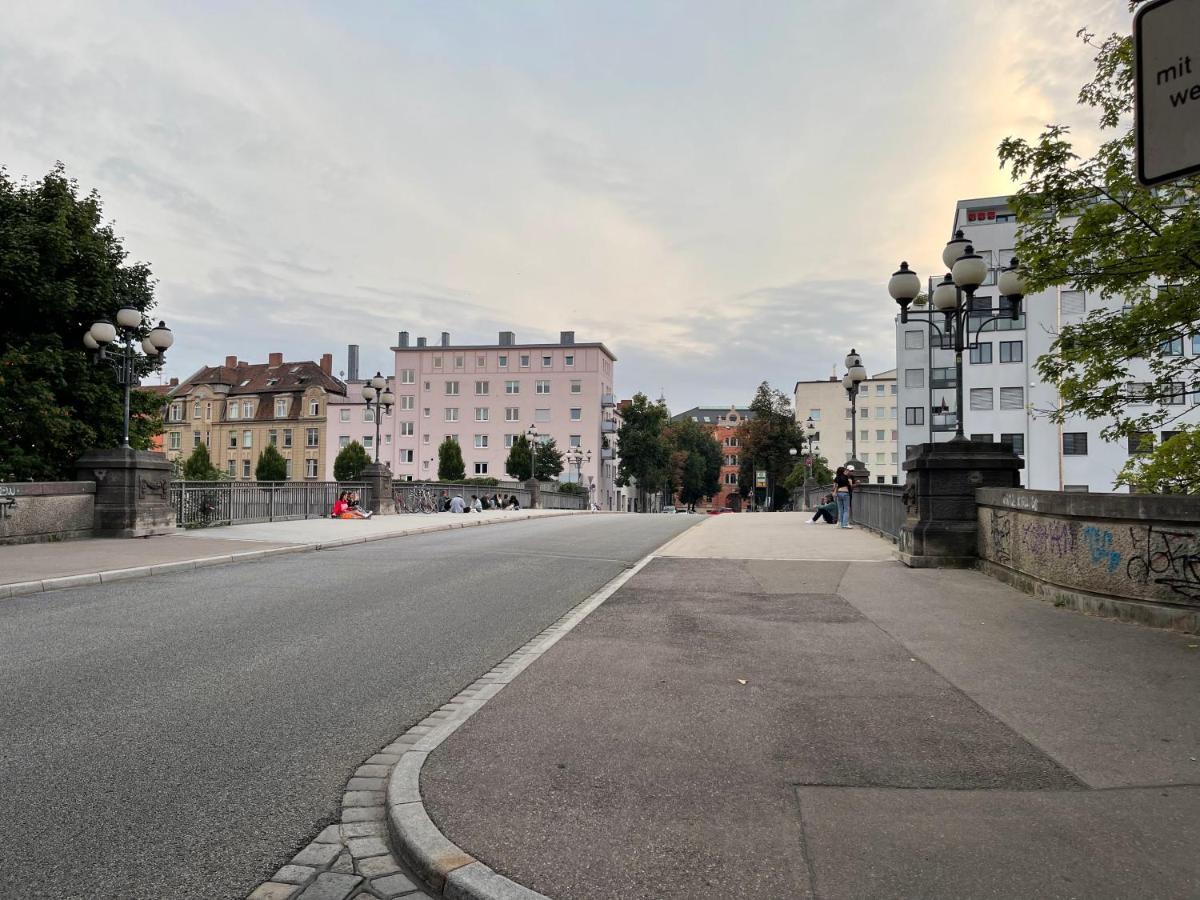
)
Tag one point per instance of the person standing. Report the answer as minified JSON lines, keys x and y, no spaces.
{"x":843,"y":486}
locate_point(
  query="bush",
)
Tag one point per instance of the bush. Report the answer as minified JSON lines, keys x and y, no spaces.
{"x":571,"y":487}
{"x":482,"y":482}
{"x":199,"y":467}
{"x":350,"y":462}
{"x":450,"y":461}
{"x":271,"y":465}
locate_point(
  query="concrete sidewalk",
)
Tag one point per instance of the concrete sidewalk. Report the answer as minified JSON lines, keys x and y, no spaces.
{"x":775,"y":710}
{"x":34,"y":568}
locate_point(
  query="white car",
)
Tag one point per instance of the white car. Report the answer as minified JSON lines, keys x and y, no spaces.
{"x":670,"y":510}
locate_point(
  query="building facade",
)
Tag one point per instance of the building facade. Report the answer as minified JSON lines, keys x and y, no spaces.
{"x":725,"y":425}
{"x":485,"y":395}
{"x":238,"y":409}
{"x":827,"y":404}
{"x":351,"y":420}
{"x":1004,"y":398}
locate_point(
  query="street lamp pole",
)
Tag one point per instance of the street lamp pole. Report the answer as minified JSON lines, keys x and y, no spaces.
{"x":154,"y":345}
{"x":967,"y":272}
{"x":855,"y":375}
{"x":378,"y":391}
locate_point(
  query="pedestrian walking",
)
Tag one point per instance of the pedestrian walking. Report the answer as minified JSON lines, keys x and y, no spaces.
{"x":842,"y":491}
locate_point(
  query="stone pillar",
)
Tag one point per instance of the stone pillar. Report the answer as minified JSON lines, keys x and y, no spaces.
{"x":942,"y":526}
{"x":535,"y":492}
{"x":379,"y":478}
{"x":133,"y":491}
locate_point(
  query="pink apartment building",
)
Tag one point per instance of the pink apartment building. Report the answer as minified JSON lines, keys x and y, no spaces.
{"x":484,"y":395}
{"x":349,"y":420}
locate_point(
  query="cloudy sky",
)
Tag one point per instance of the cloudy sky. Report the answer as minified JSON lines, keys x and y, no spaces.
{"x":718,"y":191}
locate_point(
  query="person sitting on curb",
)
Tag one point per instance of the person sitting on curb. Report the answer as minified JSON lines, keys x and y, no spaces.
{"x":513,"y":502}
{"x":827,"y":511}
{"x":457,"y":505}
{"x":476,"y":504}
{"x":343,"y":510}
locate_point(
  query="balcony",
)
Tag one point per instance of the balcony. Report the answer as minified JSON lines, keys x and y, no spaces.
{"x":606,"y":453}
{"x":607,"y":401}
{"x":608,"y":426}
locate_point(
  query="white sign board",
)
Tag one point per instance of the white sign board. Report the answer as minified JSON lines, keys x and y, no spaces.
{"x":1166,"y":41}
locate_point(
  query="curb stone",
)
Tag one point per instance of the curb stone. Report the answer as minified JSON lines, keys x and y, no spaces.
{"x":24,"y":588}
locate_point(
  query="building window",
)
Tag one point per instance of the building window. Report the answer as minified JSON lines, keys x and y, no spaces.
{"x":542,"y":387}
{"x":451,"y":414}
{"x":849,"y":412}
{"x":196,"y":410}
{"x":481,"y":388}
{"x":481,"y":414}
{"x":943,"y":377}
{"x":1072,"y":303}
{"x":1141,"y":442}
{"x":406,"y":456}
{"x":287,"y":437}
{"x":983,"y":437}
{"x":426,"y":412}
{"x":512,"y":387}
{"x":310,"y":437}
{"x":368,"y":441}
{"x":509,"y":439}
{"x":247,"y":438}
{"x":1012,"y":398}
{"x":879,"y":460}
{"x":1075,"y":443}
{"x":245,"y":468}
{"x":287,"y":472}
{"x":408,"y":401}
{"x":195,"y":439}
{"x":576,"y":386}
{"x":481,"y":441}
{"x":231,"y":467}
{"x":914,"y":415}
{"x":437,"y":362}
{"x":345,"y":415}
{"x":982,"y":398}
{"x":451,"y":388}
{"x":425,"y":438}
{"x":273,"y":437}
{"x":575,"y":440}
{"x":880,"y":434}
{"x":1172,"y":346}
{"x":731,"y":478}
{"x":208,"y":411}
{"x":314,"y":407}
{"x":176,"y":440}
{"x":310,"y":468}
{"x":914,"y":378}
{"x":344,"y":440}
{"x":407,"y":429}
{"x":879,"y":389}
{"x":503,"y":361}
{"x":524,"y":360}
{"x":368,"y":414}
{"x":541,"y":415}
{"x":480,"y":362}
{"x":865,"y":412}
{"x":849,"y":435}
{"x":247,"y":410}
{"x":234,"y":410}
{"x":1014,"y":441}
{"x":512,"y":413}
{"x":233,"y":440}
{"x":815,"y":415}
{"x":864,"y":434}
{"x":576,"y":414}
{"x":1177,"y":395}
{"x":459,"y":361}
{"x":914,"y":340}
{"x":1012,"y":351}
{"x":481,"y":468}
{"x":408,"y":376}
{"x":981,"y":354}
{"x":547,"y":361}
{"x":569,"y":360}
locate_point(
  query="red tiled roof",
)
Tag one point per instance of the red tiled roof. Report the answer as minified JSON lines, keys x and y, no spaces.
{"x":263,"y":378}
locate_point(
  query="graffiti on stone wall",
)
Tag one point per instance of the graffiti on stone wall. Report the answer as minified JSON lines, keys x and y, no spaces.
{"x":1168,"y":558}
{"x":1100,"y":546}
{"x":1001,"y":536}
{"x":1047,"y":537}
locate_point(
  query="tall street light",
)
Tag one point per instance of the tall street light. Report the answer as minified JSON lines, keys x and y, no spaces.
{"x":953,"y":298}
{"x":577,"y":457}
{"x":378,"y":391}
{"x":531,"y":435}
{"x":124,"y":335}
{"x":808,"y":442}
{"x":855,"y":375}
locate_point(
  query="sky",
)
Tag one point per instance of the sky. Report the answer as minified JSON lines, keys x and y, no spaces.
{"x":717,"y":191}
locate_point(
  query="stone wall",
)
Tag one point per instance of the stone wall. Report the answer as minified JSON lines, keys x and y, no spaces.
{"x":46,"y":511}
{"x":1132,"y":556}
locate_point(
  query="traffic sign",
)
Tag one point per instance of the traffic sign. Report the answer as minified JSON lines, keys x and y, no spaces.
{"x":760,"y":478}
{"x":1166,"y":46}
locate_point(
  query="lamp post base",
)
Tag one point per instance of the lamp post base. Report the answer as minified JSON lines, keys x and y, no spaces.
{"x":378,"y":478}
{"x":133,"y":492}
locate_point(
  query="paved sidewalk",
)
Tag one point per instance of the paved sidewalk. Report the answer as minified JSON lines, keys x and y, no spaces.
{"x":775,"y":710}
{"x":33,"y":568}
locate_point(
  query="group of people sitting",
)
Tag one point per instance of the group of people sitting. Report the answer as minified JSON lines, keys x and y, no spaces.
{"x":346,"y":507}
{"x":459,"y":504}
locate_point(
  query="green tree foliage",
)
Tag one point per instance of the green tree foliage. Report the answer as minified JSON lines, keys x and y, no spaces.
{"x":61,"y":268}
{"x":271,"y":465}
{"x":1171,"y":469}
{"x":548,"y":460}
{"x":519,"y":465}
{"x":571,"y":487}
{"x":199,"y":467}
{"x":1086,"y":224}
{"x":645,"y":454}
{"x":822,"y":474}
{"x":450,"y":461}
{"x":766,"y":439}
{"x":348,"y":465}
{"x":696,"y":459}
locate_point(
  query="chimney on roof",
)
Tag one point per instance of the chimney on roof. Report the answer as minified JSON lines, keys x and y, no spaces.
{"x":507,"y":339}
{"x":274,"y":359}
{"x":421,"y":342}
{"x":566,"y":337}
{"x":327,"y":363}
{"x":231,"y":362}
{"x":174,"y":382}
{"x":352,"y":362}
{"x":445,"y":339}
{"x":403,"y":340}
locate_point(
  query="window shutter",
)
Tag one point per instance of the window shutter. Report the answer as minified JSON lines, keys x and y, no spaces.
{"x":1012,"y":398}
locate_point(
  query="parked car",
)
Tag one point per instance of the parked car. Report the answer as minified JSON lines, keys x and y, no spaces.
{"x":717,"y":512}
{"x":669,"y":510}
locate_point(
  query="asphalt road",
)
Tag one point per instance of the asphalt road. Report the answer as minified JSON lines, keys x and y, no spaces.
{"x":182,"y":736}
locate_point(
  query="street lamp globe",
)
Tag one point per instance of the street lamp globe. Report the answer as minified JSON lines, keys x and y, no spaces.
{"x":792,"y":451}
{"x":848,"y":382}
{"x":129,"y":317}
{"x":854,"y":365}
{"x":1012,"y":280}
{"x":945,"y":296}
{"x":103,"y":331}
{"x":148,"y":347}
{"x":378,"y":381}
{"x":904,"y":285}
{"x":969,"y":271}
{"x":386,"y":397}
{"x":161,"y":337}
{"x":954,"y":248}
{"x":89,"y":341}
{"x":369,"y":393}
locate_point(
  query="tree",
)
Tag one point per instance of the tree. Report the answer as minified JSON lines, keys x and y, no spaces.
{"x":61,"y":268}
{"x":199,"y":467}
{"x":1085,"y":223}
{"x":348,"y":465}
{"x":766,"y":439}
{"x":518,"y":465}
{"x":821,"y":474}
{"x":548,"y":460}
{"x":645,"y":455}
{"x":696,"y":459}
{"x":450,"y":461}
{"x":1170,"y":469}
{"x":271,"y":465}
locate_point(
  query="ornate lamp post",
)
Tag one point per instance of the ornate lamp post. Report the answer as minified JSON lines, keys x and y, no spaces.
{"x":378,"y":391}
{"x":123,"y":337}
{"x":577,"y":457}
{"x":855,"y":375}
{"x":953,"y":300}
{"x":531,"y":434}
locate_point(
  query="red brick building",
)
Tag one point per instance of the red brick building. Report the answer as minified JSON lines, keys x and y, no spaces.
{"x":725,"y":425}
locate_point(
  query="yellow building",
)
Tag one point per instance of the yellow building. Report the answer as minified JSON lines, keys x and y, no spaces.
{"x":239,"y":408}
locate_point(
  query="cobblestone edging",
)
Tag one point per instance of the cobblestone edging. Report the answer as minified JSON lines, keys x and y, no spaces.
{"x":354,"y":859}
{"x":23,"y":588}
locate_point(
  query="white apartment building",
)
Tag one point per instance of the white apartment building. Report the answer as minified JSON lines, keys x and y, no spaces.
{"x":1004,"y":398}
{"x":826,"y":402}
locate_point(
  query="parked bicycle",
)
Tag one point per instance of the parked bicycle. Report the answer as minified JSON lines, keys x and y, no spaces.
{"x":416,"y":500}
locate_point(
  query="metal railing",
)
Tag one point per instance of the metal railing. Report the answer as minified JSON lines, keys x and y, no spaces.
{"x":879,"y":507}
{"x":550,"y":499}
{"x":205,"y":504}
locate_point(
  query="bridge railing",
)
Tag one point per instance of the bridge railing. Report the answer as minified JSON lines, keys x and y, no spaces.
{"x":879,"y":507}
{"x":204,"y":504}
